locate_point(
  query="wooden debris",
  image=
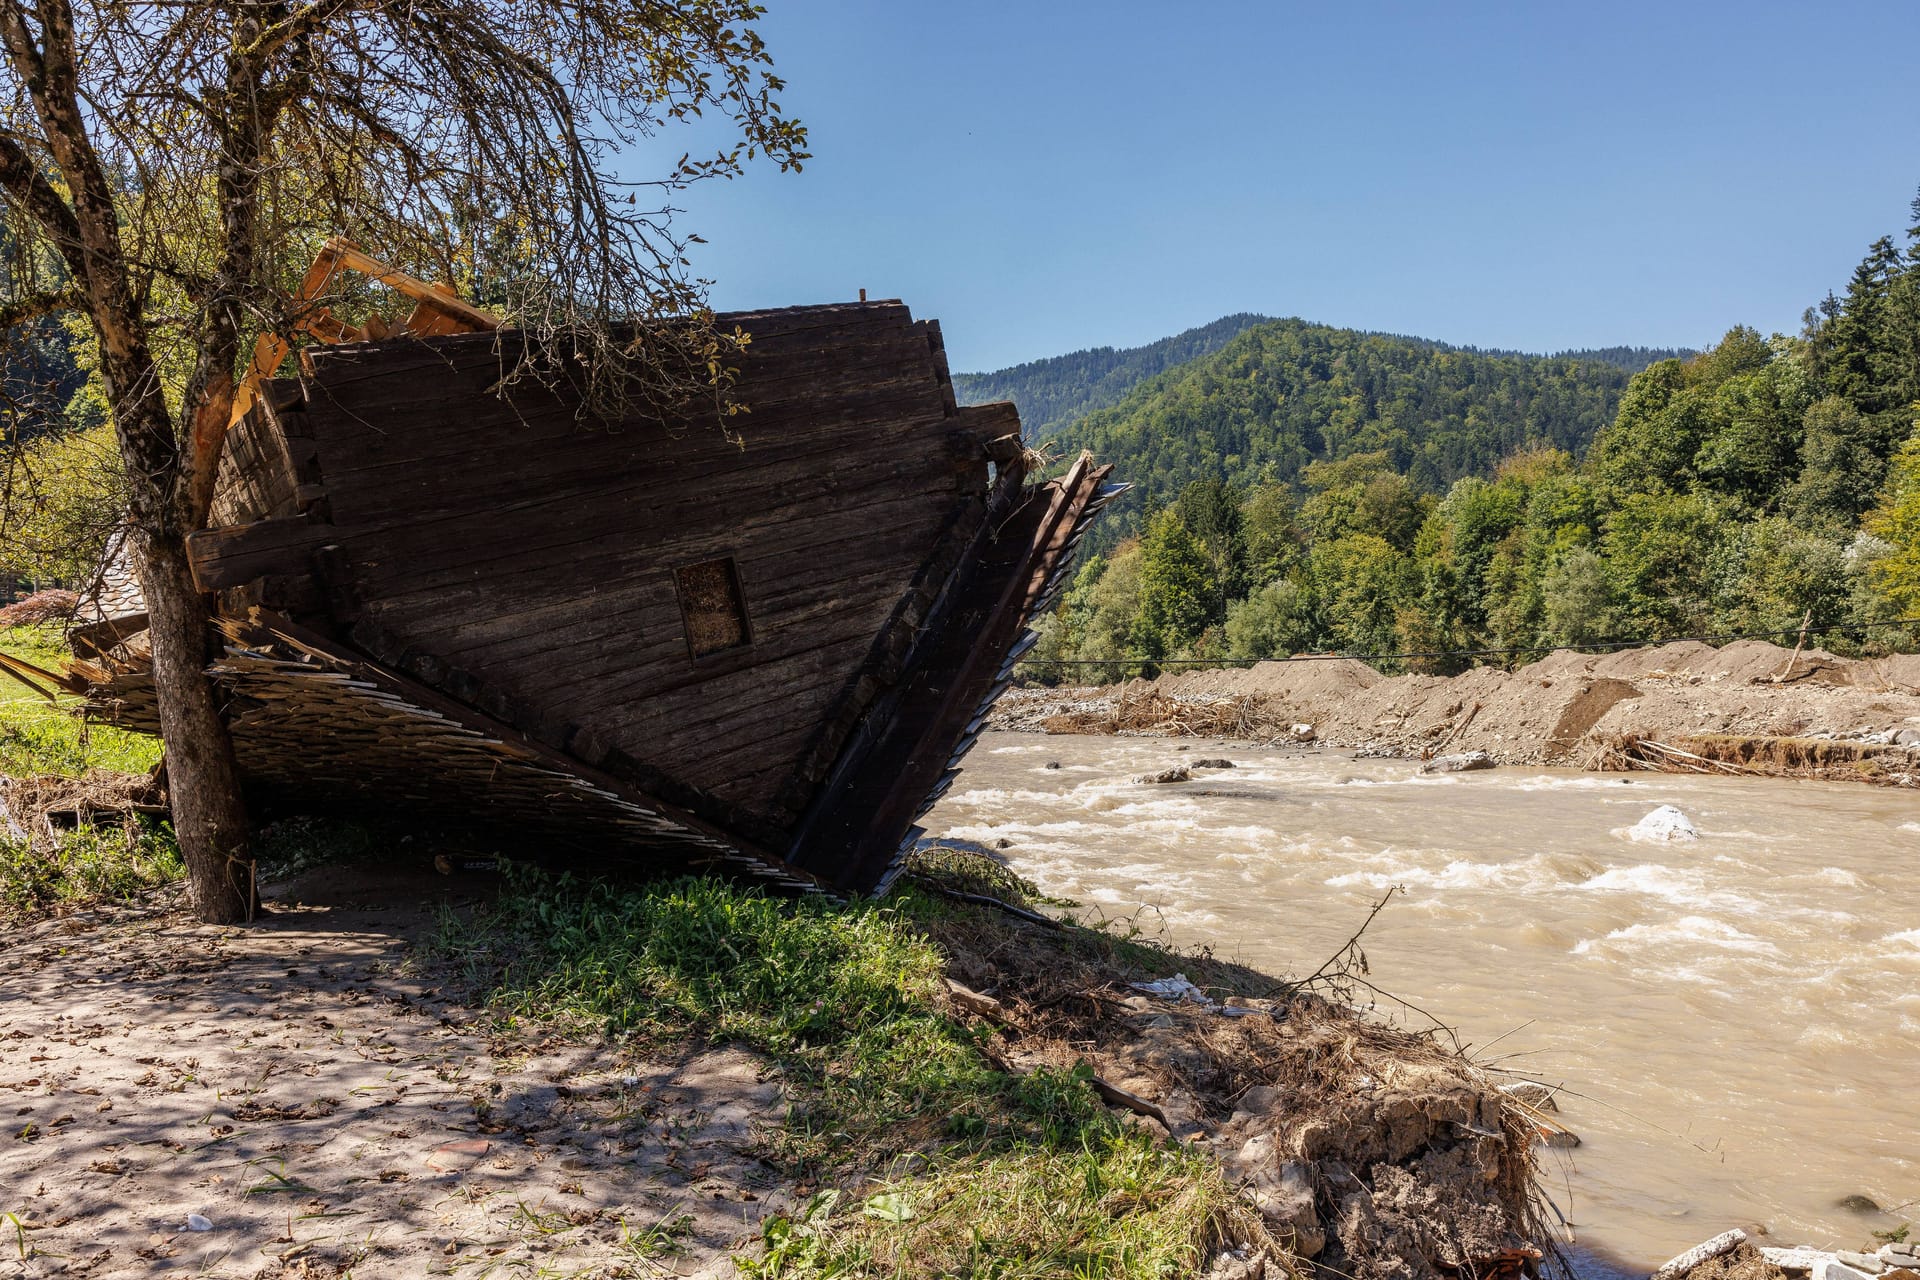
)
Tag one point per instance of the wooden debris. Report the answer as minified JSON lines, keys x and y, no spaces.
{"x":765,"y":646}
{"x":1113,"y":1095}
{"x":973,"y":1002}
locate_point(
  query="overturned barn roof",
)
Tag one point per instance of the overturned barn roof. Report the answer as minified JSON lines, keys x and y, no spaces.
{"x":764,"y":649}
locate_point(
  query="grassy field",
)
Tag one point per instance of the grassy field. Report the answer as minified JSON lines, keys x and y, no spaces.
{"x":41,"y":739}
{"x":964,"y":1167}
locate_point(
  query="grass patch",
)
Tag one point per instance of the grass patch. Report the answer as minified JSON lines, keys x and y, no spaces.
{"x":85,"y":866}
{"x":1012,"y":1175}
{"x":41,"y":737}
{"x":1120,"y":1205}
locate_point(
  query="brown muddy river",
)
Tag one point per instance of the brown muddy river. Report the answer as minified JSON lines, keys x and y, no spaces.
{"x":1739,"y":1013}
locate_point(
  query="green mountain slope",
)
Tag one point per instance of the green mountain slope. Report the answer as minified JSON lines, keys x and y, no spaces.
{"x":1287,"y":393}
{"x":1055,"y":391}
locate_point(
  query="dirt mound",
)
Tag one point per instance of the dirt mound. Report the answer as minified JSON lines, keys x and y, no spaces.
{"x":1752,"y":661}
{"x":1306,"y":681}
{"x":1298,"y":680}
{"x":1679,"y":658}
{"x":1898,"y":673}
{"x":1560,"y":665}
{"x":1567,"y":707}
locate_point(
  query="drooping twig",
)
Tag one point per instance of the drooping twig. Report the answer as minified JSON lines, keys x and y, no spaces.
{"x":1347,"y":949}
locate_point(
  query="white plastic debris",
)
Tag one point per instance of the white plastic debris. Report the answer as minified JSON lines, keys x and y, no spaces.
{"x":197,"y":1223}
{"x":1175,"y":988}
{"x":1665,"y":825}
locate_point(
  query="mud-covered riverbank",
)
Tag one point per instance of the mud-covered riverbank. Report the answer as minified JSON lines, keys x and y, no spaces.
{"x":1750,"y":706}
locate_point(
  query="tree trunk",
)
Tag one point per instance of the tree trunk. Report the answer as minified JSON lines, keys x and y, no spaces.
{"x":203,"y":779}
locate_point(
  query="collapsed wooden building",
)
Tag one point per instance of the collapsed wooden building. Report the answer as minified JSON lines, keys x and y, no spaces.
{"x":762,"y":649}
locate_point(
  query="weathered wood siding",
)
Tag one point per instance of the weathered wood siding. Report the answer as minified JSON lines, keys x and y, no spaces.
{"x":536,"y":554}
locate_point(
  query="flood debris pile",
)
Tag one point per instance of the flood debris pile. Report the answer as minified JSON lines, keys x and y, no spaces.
{"x":35,"y":811}
{"x":1373,"y":1152}
{"x":1749,"y":707}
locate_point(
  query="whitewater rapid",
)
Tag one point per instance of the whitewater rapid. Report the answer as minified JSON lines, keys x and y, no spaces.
{"x":1738,"y":1013}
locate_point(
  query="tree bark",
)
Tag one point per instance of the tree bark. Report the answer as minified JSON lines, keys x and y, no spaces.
{"x":203,"y":778}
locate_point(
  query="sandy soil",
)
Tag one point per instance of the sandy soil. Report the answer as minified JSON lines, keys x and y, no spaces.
{"x":327,"y":1107}
{"x":317,"y":1101}
{"x":1555,"y":710}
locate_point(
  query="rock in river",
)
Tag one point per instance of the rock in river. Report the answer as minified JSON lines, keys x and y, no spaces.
{"x":1179,"y":773}
{"x":1464,"y":762}
{"x":1664,"y":825}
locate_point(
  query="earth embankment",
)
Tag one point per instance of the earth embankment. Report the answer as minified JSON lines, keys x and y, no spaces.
{"x":1567,"y":708}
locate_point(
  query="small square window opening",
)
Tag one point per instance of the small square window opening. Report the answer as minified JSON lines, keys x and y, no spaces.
{"x":711,"y":604}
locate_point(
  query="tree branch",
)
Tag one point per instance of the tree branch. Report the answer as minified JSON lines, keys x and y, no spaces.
{"x":35,"y":305}
{"x":27,"y":187}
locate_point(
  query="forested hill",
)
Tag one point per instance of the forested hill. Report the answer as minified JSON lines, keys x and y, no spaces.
{"x":1299,"y":472}
{"x":1632,"y":359}
{"x":1055,"y":391}
{"x":1286,"y":393}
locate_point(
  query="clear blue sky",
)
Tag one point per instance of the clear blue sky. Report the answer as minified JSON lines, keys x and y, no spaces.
{"x":1052,"y":175}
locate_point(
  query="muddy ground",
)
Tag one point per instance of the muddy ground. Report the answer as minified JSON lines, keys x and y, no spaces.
{"x":1562,"y":709}
{"x":328,"y":1109}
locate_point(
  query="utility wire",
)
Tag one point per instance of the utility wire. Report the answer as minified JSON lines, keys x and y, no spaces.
{"x":1598,"y":646}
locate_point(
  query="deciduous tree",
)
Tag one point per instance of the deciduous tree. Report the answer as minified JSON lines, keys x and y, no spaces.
{"x":170,"y":167}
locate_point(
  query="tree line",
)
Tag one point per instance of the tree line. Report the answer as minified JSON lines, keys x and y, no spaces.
{"x":1761,"y":483}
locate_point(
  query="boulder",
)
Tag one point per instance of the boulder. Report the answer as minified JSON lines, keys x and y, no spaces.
{"x":1801,"y":1259}
{"x":1665,"y":825}
{"x":1463,"y":762}
{"x":1179,"y":773}
{"x":1213,"y":764}
{"x":1870,"y":1263}
{"x":1834,"y":1269}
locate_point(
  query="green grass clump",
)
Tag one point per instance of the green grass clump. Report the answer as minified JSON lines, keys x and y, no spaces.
{"x":1014,"y":1176}
{"x":1118,"y":1206}
{"x":40,"y":737}
{"x":86,"y":865}
{"x":844,"y":996}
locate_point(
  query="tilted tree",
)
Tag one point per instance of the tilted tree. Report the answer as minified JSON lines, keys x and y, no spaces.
{"x":170,"y":168}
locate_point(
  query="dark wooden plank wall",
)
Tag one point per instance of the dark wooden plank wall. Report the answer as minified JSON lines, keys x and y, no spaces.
{"x":256,"y":480}
{"x":537,"y":554}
